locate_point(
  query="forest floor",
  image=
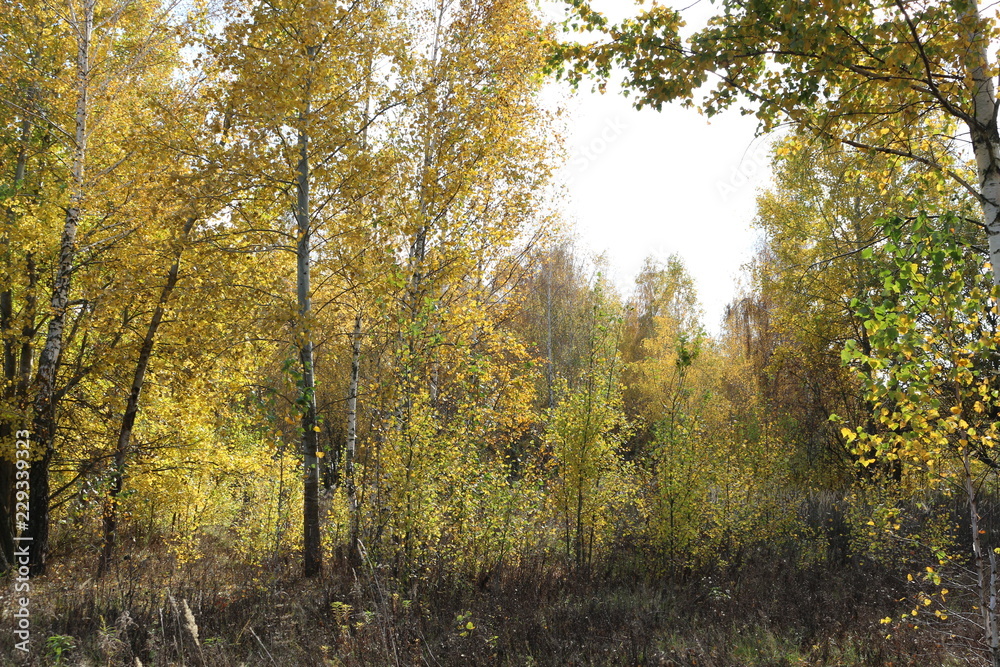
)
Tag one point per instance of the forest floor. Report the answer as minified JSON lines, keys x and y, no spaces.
{"x":766,"y":612}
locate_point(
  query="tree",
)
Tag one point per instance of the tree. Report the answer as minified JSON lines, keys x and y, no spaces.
{"x":80,"y":71}
{"x":26,"y":145}
{"x":466,"y":197}
{"x":664,"y":306}
{"x":474,"y":163}
{"x":554,"y":302}
{"x":894,"y":78}
{"x":585,"y":431}
{"x":819,"y":218}
{"x":930,"y":376}
{"x":298,"y":111}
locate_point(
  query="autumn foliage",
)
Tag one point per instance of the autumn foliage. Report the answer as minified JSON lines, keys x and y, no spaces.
{"x":314,"y":372}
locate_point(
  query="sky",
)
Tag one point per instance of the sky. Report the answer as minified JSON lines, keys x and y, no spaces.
{"x":642,"y":183}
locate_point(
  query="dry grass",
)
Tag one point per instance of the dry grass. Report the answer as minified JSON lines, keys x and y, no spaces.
{"x":218,"y":613}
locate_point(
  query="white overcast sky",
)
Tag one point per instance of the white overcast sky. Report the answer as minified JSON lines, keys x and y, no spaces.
{"x":645,"y":183}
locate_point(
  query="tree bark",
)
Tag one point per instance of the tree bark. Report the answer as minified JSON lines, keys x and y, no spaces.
{"x":985,"y":582}
{"x":312,"y":545}
{"x":48,"y":362}
{"x":352,"y":433}
{"x":550,"y":362}
{"x":994,"y":637}
{"x":985,"y":138}
{"x":132,"y":406}
{"x":28,"y":328}
{"x":986,"y":146}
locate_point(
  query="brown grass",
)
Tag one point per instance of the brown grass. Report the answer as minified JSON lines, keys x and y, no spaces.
{"x":534,"y":612}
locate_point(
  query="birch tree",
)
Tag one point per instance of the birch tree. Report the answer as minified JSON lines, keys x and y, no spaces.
{"x":474,"y":158}
{"x":297,"y":112}
{"x":83,"y":70}
{"x":823,"y":248}
{"x":929,"y":374}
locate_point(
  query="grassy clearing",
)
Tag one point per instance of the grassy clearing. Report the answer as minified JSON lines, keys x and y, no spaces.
{"x":219,"y":614}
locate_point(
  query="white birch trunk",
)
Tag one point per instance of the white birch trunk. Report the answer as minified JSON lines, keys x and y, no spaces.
{"x":352,"y":436}
{"x":986,"y":140}
{"x":312,"y":547}
{"x":48,"y":362}
{"x":985,"y":582}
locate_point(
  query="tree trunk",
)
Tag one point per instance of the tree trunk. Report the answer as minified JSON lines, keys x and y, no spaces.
{"x":17,"y":404}
{"x":985,"y":582}
{"x":985,"y":140}
{"x":132,"y":407}
{"x":28,"y":328}
{"x":415,"y":304}
{"x":352,"y":432}
{"x":994,"y":636}
{"x":550,"y":362}
{"x":986,"y":146}
{"x":48,"y":362}
{"x":312,"y":546}
{"x":414,"y":299}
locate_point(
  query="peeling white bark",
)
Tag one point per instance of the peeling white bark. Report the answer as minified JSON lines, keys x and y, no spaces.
{"x":986,"y":140}
{"x":312,"y":547}
{"x":48,"y":362}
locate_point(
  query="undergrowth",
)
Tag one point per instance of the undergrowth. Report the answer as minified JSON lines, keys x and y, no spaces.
{"x":214,"y":612}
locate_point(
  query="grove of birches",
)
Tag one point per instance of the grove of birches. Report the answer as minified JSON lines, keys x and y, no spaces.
{"x":302,"y":364}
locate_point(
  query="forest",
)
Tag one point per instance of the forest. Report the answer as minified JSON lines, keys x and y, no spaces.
{"x":303,"y":363}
